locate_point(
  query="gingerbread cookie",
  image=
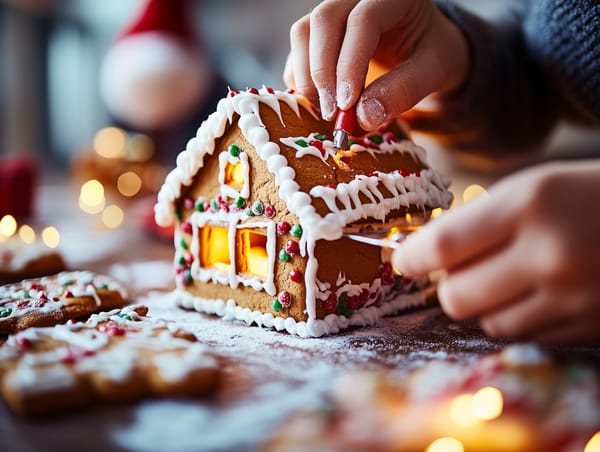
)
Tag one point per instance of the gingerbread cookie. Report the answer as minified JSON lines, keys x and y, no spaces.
{"x":19,"y":260}
{"x":114,"y":356}
{"x":55,"y":299}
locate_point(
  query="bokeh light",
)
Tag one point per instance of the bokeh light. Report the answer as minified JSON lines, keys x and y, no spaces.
{"x":140,"y":148}
{"x":110,"y":142}
{"x":129,"y":184}
{"x":51,"y":237}
{"x":112,"y":216}
{"x":8,"y":225}
{"x":461,"y":410}
{"x":593,"y":445}
{"x":472,"y":191}
{"x":445,"y":444}
{"x":487,"y":403}
{"x":27,"y":234}
{"x":91,"y":197}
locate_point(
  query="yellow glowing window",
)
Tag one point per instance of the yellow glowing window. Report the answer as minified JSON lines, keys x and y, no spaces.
{"x":234,"y":175}
{"x":214,"y":248}
{"x":252,"y":257}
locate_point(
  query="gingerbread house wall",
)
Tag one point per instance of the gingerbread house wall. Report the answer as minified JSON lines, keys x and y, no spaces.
{"x":287,"y":275}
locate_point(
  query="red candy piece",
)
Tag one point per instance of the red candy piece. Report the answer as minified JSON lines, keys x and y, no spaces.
{"x":283,"y":227}
{"x":319,"y":145}
{"x":270,"y":90}
{"x":252,"y":90}
{"x":284,"y":298}
{"x":403,"y":172}
{"x":269,"y":211}
{"x":296,"y":275}
{"x":330,"y":304}
{"x":68,"y":294}
{"x":22,"y":342}
{"x":292,"y":247}
{"x":186,"y":227}
{"x":112,"y":329}
{"x":188,"y":203}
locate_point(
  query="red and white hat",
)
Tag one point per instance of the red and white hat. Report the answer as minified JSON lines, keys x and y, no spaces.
{"x":156,"y":73}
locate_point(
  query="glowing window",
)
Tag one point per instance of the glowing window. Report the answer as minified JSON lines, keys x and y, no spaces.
{"x":214,"y":247}
{"x":252,"y":257}
{"x":234,"y":176}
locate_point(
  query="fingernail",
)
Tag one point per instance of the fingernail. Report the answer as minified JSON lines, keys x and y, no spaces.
{"x":344,"y":91}
{"x":327,"y":102}
{"x":371,"y":113}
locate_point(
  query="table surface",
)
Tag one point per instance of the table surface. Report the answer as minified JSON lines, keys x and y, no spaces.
{"x":267,"y":375}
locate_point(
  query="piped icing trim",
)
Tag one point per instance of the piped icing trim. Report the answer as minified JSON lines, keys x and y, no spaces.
{"x":331,"y":324}
{"x":431,"y":192}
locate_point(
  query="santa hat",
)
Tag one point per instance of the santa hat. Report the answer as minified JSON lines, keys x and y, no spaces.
{"x":156,"y":74}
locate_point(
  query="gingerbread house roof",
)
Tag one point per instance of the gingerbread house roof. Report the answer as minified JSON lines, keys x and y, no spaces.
{"x":372,"y":195}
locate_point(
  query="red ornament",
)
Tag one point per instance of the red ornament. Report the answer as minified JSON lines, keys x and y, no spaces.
{"x":296,"y":275}
{"x":292,"y":247}
{"x":284,"y":298}
{"x":283,"y":227}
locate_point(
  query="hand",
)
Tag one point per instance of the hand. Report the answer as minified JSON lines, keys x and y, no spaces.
{"x":418,"y":48}
{"x":525,"y":259}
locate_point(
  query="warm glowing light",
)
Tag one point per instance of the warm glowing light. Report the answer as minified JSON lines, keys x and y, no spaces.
{"x":446,"y":444}
{"x":51,"y":237}
{"x":91,"y":197}
{"x":252,"y":252}
{"x":234,"y":176}
{"x":112,"y":216}
{"x":129,"y":183}
{"x":472,"y":191}
{"x":436,"y":212}
{"x":461,"y":411}
{"x":110,"y":142}
{"x":593,"y":445}
{"x":408,"y":218}
{"x":8,"y":225}
{"x":214,"y":247}
{"x":27,"y":234}
{"x":140,"y":148}
{"x":487,"y":403}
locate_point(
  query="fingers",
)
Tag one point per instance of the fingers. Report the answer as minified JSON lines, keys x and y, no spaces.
{"x":491,"y":283}
{"x":454,"y":238}
{"x":298,"y":65}
{"x":327,"y":29}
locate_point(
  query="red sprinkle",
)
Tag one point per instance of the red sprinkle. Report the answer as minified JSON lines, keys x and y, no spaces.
{"x":354,"y":303}
{"x":22,"y":304}
{"x":270,"y":90}
{"x":403,"y":172}
{"x":188,"y":203}
{"x":319,"y":145}
{"x":252,"y":90}
{"x":22,"y":342}
{"x":112,"y":329}
{"x":283,"y":227}
{"x":68,"y":294}
{"x":233,"y":92}
{"x":296,"y":275}
{"x":291,"y":91}
{"x":269,"y":211}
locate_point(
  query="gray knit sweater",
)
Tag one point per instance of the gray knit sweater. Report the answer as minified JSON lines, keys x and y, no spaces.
{"x":527,"y":70}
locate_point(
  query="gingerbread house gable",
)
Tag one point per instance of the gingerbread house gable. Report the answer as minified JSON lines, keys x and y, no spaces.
{"x":305,"y":183}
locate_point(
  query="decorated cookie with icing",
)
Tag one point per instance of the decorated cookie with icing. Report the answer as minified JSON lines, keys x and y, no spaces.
{"x":115,"y":356}
{"x":519,"y":399}
{"x":51,"y":300}
{"x":20,"y":260}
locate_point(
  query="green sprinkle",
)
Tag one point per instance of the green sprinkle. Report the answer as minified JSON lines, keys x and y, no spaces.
{"x":214,"y":204}
{"x":25,"y":294}
{"x":351,"y":142}
{"x":258,"y":208}
{"x":240,"y":202}
{"x":181,"y":260}
{"x":343,"y":309}
{"x":296,"y":230}
{"x":377,"y":139}
{"x":277,"y":305}
{"x":301,"y":143}
{"x":5,"y":312}
{"x":249,"y":212}
{"x":200,"y":206}
{"x":284,"y":256}
{"x":68,"y":282}
{"x":178,"y":214}
{"x":321,"y":137}
{"x":234,"y":150}
{"x":182,"y":244}
{"x":124,"y":316}
{"x":103,"y":286}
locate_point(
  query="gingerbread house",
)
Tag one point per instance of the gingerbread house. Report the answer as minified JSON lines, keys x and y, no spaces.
{"x":262,"y":203}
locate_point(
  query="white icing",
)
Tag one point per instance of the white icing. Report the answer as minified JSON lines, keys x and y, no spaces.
{"x":331,"y":324}
{"x":227,"y":190}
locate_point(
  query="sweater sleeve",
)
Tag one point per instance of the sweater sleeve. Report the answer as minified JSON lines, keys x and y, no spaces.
{"x":507,"y":103}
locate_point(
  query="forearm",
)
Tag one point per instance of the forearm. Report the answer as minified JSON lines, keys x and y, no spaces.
{"x":506,"y":103}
